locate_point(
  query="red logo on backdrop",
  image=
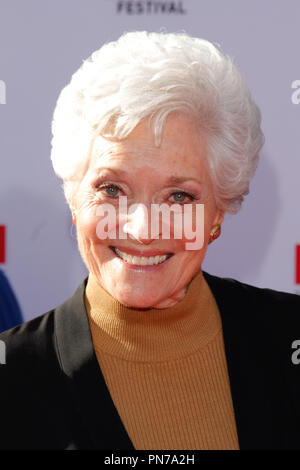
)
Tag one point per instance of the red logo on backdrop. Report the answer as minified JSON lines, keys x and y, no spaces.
{"x":2,"y":243}
{"x":297,"y":265}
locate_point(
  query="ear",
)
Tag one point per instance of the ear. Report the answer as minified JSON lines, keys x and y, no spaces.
{"x":74,"y":219}
{"x":219,"y":217}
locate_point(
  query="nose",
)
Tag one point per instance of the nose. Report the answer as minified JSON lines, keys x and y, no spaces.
{"x":137,"y":225}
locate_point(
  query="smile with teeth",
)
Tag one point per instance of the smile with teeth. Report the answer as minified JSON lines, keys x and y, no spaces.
{"x":141,"y":260}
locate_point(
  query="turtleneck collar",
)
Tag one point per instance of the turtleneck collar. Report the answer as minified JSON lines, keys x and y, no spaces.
{"x":152,"y":335}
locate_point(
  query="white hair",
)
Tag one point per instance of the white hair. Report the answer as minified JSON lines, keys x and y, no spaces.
{"x":151,"y":75}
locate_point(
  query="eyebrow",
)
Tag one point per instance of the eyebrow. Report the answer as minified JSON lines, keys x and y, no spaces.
{"x":171,"y":179}
{"x":182,"y":179}
{"x":111,"y":170}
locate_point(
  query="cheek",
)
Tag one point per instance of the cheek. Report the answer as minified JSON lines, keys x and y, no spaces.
{"x":96,"y":227}
{"x":94,"y":251}
{"x":87,"y":229}
{"x":86,"y":226}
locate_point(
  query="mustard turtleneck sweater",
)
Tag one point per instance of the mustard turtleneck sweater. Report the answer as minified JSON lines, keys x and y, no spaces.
{"x":165,"y":369}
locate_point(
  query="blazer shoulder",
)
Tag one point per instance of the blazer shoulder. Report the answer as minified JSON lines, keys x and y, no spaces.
{"x":35,"y":336}
{"x":234,"y":285}
{"x":263,"y":303}
{"x":29,"y":339}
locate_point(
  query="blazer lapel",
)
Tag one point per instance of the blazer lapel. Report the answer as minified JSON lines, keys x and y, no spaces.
{"x":251,"y":368}
{"x":86,"y":381}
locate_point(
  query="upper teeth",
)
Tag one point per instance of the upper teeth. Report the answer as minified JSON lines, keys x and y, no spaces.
{"x":141,"y":260}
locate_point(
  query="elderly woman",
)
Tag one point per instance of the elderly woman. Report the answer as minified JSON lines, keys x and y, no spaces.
{"x":155,"y":138}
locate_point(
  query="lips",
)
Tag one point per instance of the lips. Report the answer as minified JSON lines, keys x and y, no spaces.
{"x":140,"y":258}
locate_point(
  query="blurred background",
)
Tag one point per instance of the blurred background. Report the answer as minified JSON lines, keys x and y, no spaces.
{"x":43,"y":43}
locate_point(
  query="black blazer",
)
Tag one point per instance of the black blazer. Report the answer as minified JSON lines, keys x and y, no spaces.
{"x":53,"y":394}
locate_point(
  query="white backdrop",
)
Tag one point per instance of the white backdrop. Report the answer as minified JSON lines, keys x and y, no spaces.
{"x":42,"y":43}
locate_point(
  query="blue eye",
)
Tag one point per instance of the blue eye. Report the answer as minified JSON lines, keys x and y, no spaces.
{"x":180,"y":196}
{"x":111,"y":190}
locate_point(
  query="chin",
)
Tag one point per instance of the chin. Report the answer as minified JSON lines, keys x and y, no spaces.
{"x":136,"y":301}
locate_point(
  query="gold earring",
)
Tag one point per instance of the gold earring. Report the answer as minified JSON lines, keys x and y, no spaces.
{"x":215,"y":233}
{"x":74,"y":218}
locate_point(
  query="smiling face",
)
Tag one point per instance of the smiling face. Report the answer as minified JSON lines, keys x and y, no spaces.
{"x":141,"y":271}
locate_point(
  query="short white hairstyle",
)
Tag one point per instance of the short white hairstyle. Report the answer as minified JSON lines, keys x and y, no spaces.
{"x":149,"y":75}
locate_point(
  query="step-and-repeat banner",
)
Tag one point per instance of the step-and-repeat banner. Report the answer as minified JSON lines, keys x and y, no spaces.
{"x":43,"y":42}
